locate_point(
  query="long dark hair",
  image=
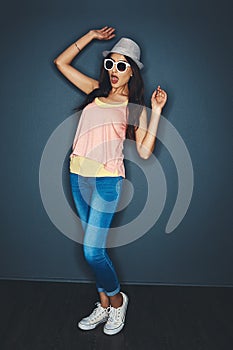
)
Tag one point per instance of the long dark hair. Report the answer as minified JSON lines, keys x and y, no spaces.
{"x":135,"y":98}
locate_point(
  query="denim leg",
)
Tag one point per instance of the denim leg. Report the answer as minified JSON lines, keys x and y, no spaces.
{"x":105,"y":197}
{"x":102,"y":266}
{"x":81,"y":192}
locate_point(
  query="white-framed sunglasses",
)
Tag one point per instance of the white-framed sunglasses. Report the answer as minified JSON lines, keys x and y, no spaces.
{"x":121,"y":66}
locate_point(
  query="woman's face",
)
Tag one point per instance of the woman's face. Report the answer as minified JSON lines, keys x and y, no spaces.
{"x":119,"y":79}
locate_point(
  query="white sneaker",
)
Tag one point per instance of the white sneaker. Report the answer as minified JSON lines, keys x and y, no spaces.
{"x":116,"y":319}
{"x":98,"y":315}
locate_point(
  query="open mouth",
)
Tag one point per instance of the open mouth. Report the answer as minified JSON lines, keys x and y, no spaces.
{"x":114,"y":79}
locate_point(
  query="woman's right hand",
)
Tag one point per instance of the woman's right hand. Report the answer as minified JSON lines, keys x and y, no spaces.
{"x":106,"y":33}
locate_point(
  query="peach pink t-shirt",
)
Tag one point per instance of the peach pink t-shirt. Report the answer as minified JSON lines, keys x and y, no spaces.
{"x":100,"y":136}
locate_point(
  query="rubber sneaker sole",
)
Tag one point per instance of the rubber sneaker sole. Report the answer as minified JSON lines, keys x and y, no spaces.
{"x":113,"y":331}
{"x":85,"y":327}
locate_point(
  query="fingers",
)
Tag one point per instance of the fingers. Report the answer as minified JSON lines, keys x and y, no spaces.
{"x":111,"y":36}
{"x":103,"y":28}
{"x":157,"y":91}
{"x":107,"y":33}
{"x":159,"y":96}
{"x":110,"y":29}
{"x":110,"y":32}
{"x":107,"y":30}
{"x":154,"y":94}
{"x":160,"y":92}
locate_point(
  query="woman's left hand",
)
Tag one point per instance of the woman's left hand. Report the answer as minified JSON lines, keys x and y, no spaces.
{"x":158,"y":98}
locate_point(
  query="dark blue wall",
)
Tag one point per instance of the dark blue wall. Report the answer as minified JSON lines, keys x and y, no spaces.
{"x":187,"y":49}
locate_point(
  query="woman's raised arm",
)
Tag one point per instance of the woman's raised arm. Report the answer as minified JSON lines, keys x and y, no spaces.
{"x":63,"y":61}
{"x":146,"y":134}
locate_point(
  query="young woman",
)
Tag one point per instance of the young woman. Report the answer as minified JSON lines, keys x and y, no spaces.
{"x":96,"y":162}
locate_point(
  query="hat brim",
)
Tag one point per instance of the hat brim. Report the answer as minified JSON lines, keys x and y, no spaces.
{"x":139,"y":64}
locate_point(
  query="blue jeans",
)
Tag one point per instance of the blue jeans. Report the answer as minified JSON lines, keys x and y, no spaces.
{"x":96,"y":199}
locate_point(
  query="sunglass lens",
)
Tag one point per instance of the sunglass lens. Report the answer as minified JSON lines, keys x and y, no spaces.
{"x":121,"y":66}
{"x":108,"y":64}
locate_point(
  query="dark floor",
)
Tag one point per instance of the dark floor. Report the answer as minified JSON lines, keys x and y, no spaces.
{"x":44,"y":315}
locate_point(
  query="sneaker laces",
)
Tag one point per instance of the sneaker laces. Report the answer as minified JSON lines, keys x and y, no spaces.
{"x":114,"y":314}
{"x":96,"y":310}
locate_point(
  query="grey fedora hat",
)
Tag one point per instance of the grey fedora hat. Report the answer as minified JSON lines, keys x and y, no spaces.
{"x":127,"y":47}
